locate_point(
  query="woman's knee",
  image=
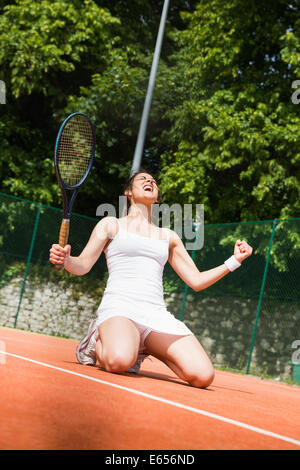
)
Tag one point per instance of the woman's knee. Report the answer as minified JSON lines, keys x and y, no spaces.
{"x":202,"y":378}
{"x":117,"y":361}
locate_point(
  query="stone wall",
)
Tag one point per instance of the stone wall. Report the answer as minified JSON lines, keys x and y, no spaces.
{"x":47,"y":309}
{"x":224,"y":325}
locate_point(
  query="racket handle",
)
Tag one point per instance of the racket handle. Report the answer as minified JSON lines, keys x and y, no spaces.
{"x":63,"y":238}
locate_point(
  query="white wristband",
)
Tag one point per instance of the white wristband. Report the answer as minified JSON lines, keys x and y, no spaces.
{"x":232,"y":263}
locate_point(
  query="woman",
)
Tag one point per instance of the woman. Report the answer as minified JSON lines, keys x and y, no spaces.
{"x":132,"y":320}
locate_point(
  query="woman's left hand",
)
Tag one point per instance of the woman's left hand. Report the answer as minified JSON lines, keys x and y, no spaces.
{"x":242,"y":250}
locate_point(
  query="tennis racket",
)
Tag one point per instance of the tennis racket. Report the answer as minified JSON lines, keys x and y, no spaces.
{"x":73,"y":159}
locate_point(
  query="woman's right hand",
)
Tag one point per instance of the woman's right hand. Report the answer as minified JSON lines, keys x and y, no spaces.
{"x":59,"y":255}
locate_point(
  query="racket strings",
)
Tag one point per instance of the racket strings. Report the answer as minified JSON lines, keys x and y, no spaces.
{"x":75,"y":150}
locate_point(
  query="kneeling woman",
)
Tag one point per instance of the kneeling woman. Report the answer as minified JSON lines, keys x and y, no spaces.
{"x":133,"y":321}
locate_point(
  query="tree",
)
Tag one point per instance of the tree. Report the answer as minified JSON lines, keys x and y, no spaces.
{"x":223,"y":129}
{"x":47,"y":51}
{"x":233,"y":143}
{"x":93,"y":56}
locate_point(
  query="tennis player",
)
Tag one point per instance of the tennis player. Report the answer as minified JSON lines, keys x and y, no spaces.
{"x":132,"y":319}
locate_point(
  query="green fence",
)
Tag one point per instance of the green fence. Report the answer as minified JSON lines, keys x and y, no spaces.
{"x":248,"y":321}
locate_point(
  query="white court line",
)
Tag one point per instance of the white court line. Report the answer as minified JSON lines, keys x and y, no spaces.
{"x":163,"y":400}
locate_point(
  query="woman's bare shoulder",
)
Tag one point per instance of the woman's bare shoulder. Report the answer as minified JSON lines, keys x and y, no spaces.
{"x":108,"y":224}
{"x":172,"y":234}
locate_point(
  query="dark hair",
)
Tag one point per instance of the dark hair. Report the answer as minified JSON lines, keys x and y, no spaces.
{"x":129,"y":182}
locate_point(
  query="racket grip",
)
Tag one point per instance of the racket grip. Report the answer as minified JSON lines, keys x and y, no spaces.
{"x":63,"y":238}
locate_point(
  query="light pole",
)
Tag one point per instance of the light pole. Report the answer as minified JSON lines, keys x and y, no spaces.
{"x":147,"y":105}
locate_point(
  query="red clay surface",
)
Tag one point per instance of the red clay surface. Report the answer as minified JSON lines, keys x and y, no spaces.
{"x":44,"y":408}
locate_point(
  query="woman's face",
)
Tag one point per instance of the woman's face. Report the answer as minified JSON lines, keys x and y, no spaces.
{"x":144,"y":189}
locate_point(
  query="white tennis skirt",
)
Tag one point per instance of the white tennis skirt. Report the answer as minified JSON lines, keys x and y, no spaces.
{"x":153,"y":316}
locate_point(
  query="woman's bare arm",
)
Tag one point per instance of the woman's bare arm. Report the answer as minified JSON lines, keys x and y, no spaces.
{"x":186,"y":269}
{"x":83,"y":263}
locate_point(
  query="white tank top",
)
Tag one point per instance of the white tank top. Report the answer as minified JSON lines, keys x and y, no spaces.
{"x":135,"y":265}
{"x":135,"y":284}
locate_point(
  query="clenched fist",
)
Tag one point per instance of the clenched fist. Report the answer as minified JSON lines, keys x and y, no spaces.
{"x":242,"y":250}
{"x":58,"y":254}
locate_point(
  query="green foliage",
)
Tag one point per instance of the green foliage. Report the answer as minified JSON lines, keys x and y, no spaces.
{"x":90,"y":285}
{"x":40,"y":274}
{"x":10,"y":273}
{"x":39,"y":40}
{"x":223,"y":129}
{"x":47,"y":51}
{"x":234,"y":138}
{"x":171,"y":285}
{"x":114,"y":101}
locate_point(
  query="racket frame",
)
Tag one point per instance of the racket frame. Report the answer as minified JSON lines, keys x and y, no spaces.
{"x":67,"y":206}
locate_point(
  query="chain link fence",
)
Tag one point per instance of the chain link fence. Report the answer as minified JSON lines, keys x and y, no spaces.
{"x":248,"y":321}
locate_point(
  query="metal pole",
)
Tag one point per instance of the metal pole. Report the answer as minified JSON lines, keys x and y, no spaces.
{"x":261,"y":294}
{"x":145,"y":116}
{"x":28,"y":261}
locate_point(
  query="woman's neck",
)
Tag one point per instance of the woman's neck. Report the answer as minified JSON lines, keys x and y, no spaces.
{"x":140,"y":213}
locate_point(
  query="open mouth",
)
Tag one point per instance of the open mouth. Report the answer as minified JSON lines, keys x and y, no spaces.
{"x":148,"y":188}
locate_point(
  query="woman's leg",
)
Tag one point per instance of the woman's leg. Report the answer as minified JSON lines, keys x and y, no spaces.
{"x":118,"y":344}
{"x":184,"y":355}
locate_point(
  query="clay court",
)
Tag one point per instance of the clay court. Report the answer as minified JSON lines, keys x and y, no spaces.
{"x":50,"y":402}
